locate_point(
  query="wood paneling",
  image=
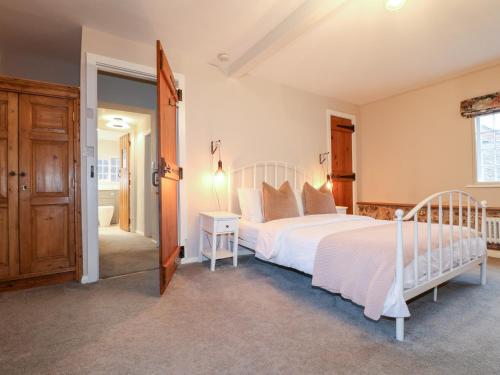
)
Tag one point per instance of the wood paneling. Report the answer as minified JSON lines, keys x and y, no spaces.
{"x":342,"y":173}
{"x":39,"y":193}
{"x":168,"y":168}
{"x":9,"y":236}
{"x":125,"y":176}
{"x":46,"y":184}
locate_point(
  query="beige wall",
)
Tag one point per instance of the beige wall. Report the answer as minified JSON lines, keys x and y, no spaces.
{"x":255,"y":119}
{"x":415,"y":144}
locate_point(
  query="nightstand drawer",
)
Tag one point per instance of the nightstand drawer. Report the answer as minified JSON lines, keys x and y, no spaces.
{"x":226,"y":226}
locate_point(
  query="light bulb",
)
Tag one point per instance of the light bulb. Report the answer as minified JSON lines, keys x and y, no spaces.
{"x":394,"y":4}
{"x":219,"y":174}
{"x":329,"y":183}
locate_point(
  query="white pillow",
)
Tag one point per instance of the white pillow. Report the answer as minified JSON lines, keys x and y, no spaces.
{"x":300,"y":202}
{"x":251,"y":204}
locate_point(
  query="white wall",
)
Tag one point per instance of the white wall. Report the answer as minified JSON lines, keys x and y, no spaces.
{"x":137,"y":152}
{"x":255,"y":119}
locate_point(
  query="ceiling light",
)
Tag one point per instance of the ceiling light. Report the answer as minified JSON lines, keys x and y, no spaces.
{"x":223,"y":57}
{"x":394,"y":4}
{"x":117,"y":123}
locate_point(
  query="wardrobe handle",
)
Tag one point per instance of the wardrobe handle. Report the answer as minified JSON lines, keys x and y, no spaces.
{"x":12,"y":173}
{"x":22,"y":174}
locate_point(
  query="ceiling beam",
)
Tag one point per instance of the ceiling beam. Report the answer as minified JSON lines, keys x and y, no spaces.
{"x":300,"y":20}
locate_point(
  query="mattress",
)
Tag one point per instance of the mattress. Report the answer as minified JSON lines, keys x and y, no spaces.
{"x":299,"y":239}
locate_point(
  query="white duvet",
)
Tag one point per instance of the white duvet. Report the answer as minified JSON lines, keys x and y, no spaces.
{"x":293,"y":242}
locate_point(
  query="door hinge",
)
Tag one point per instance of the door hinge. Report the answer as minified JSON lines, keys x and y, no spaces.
{"x":348,"y":127}
{"x":179,"y":94}
{"x":181,"y":173}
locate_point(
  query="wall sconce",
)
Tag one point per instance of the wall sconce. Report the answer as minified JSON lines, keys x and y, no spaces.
{"x":322,"y":159}
{"x":219,"y":173}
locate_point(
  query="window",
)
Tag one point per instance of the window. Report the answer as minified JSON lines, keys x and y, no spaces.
{"x":102,"y":169}
{"x":488,"y":148}
{"x":108,"y":170}
{"x":114,"y":170}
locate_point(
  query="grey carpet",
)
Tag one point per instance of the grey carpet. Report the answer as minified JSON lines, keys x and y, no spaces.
{"x":256,"y":319}
{"x":121,"y":252}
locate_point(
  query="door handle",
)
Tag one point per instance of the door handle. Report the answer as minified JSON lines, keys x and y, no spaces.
{"x":22,"y":174}
{"x":12,"y":173}
{"x":155,"y":180}
{"x":349,"y":176}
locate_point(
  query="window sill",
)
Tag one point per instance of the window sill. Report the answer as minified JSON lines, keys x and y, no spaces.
{"x":485,"y":185}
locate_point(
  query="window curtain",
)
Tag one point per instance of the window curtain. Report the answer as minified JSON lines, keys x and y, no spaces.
{"x":480,"y":105}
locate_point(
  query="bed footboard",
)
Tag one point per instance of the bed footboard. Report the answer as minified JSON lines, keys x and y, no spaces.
{"x":470,"y":251}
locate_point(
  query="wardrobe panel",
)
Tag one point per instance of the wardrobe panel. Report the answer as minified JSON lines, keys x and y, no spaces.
{"x":48,"y":116}
{"x":50,"y":172}
{"x":9,"y":247}
{"x":46,"y":197}
{"x":4,"y":170}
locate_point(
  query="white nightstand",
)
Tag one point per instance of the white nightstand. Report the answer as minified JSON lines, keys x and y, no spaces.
{"x":342,"y":210}
{"x":219,"y":223}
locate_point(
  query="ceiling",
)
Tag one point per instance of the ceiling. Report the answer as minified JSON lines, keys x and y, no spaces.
{"x":356,"y":51}
{"x":104,"y":115}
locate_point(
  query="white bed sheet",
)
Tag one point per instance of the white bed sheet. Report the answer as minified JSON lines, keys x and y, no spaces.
{"x":300,"y":238}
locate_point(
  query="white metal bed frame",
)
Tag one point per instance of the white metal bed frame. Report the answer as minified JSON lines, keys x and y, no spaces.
{"x":472,"y":235}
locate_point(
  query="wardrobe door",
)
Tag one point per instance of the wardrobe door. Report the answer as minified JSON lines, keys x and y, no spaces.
{"x":9,"y":264}
{"x":46,"y":184}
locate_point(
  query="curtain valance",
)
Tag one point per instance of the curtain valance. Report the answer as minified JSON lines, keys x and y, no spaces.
{"x":480,"y":105}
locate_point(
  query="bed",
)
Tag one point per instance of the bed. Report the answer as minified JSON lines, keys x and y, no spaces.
{"x":422,"y":254}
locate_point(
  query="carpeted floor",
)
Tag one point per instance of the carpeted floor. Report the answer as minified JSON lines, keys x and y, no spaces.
{"x":121,"y":252}
{"x":256,"y":319}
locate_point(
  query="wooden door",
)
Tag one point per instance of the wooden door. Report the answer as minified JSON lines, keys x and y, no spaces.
{"x":342,"y":173}
{"x":9,"y":250}
{"x":125,"y":182}
{"x":169,"y":171}
{"x":46,"y":184}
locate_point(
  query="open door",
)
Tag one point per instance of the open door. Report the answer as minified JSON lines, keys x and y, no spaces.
{"x":169,"y":172}
{"x":125,"y":182}
{"x":342,"y":173}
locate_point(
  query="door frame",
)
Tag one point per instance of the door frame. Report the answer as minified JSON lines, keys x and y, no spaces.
{"x":88,"y":135}
{"x":329,"y":114}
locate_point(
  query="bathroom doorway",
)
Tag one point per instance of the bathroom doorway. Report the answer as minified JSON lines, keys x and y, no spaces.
{"x":127,"y":197}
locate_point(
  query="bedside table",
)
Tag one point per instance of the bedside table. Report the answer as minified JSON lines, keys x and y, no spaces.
{"x":219,"y":223}
{"x":342,"y":210}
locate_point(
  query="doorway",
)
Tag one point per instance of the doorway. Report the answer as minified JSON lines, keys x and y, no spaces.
{"x":341,"y":143}
{"x":94,"y":64}
{"x":126,"y":116}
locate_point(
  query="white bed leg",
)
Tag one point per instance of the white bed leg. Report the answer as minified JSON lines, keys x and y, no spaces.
{"x":435,"y":294}
{"x":400,"y":329}
{"x":483,"y":272}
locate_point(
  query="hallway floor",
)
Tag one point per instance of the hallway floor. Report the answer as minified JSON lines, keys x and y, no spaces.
{"x":123,"y":252}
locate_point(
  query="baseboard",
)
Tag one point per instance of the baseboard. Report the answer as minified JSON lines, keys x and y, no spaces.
{"x":494,"y":253}
{"x":190,"y":260}
{"x":140,"y":232}
{"x":84,"y":279}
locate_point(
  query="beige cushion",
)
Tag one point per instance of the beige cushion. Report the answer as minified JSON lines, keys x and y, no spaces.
{"x":278,"y":204}
{"x":318,"y":201}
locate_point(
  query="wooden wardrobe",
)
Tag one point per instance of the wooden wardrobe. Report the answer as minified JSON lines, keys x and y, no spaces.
{"x":39,"y":183}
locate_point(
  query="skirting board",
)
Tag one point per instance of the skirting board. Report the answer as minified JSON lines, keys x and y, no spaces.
{"x":494,"y":253}
{"x":190,"y":260}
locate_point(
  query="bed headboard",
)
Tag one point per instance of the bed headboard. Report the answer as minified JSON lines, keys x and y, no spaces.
{"x":252,"y":175}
